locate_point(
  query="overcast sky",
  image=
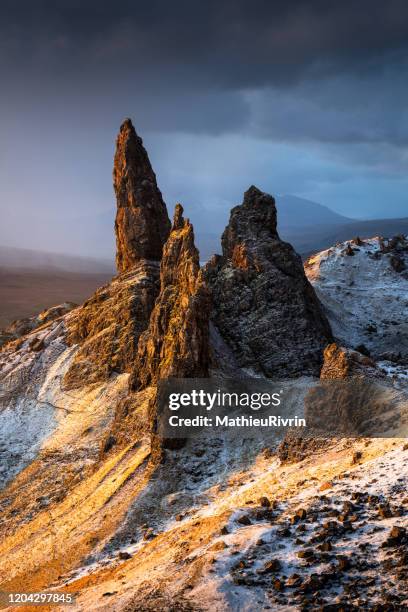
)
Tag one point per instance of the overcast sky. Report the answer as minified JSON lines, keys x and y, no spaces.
{"x":303,"y":97}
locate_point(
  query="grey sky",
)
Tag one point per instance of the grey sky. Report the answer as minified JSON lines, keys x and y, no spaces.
{"x":308,"y":98}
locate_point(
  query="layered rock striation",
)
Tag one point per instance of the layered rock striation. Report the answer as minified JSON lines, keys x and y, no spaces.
{"x":108,"y":326}
{"x":176,"y":342}
{"x":142,"y":224}
{"x":263,"y":305}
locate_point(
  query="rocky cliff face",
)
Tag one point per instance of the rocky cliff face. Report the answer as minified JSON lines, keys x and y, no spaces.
{"x":108,"y":326}
{"x":176,"y":342}
{"x":264,"y":307}
{"x":85,"y":505}
{"x":142,"y":224}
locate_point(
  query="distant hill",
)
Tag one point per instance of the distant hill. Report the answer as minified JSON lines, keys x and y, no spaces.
{"x":310,"y":227}
{"x":31,"y":281}
{"x":299,"y":212}
{"x":307,"y":225}
{"x":27,"y":259}
{"x":307,"y":240}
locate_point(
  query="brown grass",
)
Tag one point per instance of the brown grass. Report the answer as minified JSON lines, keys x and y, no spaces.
{"x":24,"y":293}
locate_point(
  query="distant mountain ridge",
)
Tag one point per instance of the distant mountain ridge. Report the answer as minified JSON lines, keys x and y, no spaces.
{"x":98,"y":499}
{"x":309,"y":240}
{"x":310,"y":227}
{"x":294,"y":212}
{"x":307,"y":225}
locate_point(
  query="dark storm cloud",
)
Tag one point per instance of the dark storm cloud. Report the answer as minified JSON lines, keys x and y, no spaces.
{"x":306,"y":97}
{"x":232,"y":43}
{"x":346,"y":109}
{"x":193,"y":66}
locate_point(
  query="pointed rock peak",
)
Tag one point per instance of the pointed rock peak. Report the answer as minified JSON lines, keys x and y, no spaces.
{"x":128,"y":144}
{"x":176,"y":342}
{"x":180,"y":255}
{"x":127,"y":125}
{"x":253,"y":220}
{"x":252,"y":193}
{"x":178,"y":219}
{"x":254,"y":197}
{"x":142,"y":224}
{"x":263,"y":306}
{"x":259,"y":208}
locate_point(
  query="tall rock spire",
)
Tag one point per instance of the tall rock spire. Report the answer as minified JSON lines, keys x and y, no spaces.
{"x":142,"y":224}
{"x":108,"y":326}
{"x":176,"y":343}
{"x":263,"y":305}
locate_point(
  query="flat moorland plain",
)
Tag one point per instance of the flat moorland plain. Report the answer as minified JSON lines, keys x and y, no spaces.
{"x":24,"y":293}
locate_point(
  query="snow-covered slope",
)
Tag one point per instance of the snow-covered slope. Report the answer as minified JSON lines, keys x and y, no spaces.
{"x":267,"y":536}
{"x":363,"y":286}
{"x":219,"y":525}
{"x":37,"y":415}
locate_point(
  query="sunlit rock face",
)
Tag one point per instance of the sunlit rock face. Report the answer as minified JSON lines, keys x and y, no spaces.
{"x":340,"y":362}
{"x":108,"y":326}
{"x":264,"y":306}
{"x":142,"y":224}
{"x":95,"y":501}
{"x":176,"y":342}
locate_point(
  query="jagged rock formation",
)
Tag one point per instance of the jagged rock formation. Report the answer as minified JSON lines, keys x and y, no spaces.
{"x":85,"y":505}
{"x":21,"y":327}
{"x":264,"y":307}
{"x":338,"y":404}
{"x":342,"y":363}
{"x":142,"y":224}
{"x":354,"y":397}
{"x":108,"y":326}
{"x":176,"y":342}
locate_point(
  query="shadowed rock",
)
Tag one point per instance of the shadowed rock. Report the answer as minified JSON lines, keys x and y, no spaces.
{"x":142,"y":224}
{"x":264,"y":307}
{"x":352,"y":398}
